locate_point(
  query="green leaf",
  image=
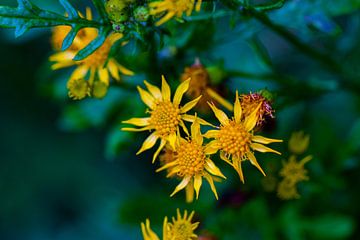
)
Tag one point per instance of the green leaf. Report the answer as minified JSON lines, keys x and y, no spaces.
{"x":27,"y":16}
{"x":95,"y":44}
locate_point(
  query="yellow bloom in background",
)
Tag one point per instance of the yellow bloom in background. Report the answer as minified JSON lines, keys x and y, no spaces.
{"x":235,"y":139}
{"x":96,"y":67}
{"x":299,"y":142}
{"x":200,"y":85}
{"x":294,"y":171}
{"x":287,"y":190}
{"x":192,"y":163}
{"x":269,"y":183}
{"x":181,"y":228}
{"x":173,"y":8}
{"x":165,"y":116}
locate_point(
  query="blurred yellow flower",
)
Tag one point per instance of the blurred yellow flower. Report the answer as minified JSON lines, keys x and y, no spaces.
{"x":235,"y":139}
{"x":173,"y":8}
{"x":286,"y":190}
{"x":97,"y":65}
{"x":165,"y":116}
{"x":299,"y":142}
{"x":181,"y":228}
{"x":192,"y":162}
{"x":200,"y":85}
{"x":269,"y":183}
{"x":294,"y":171}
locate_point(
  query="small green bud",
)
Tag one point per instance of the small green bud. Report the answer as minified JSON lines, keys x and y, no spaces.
{"x":269,"y":96}
{"x":117,"y":10}
{"x":99,"y":89}
{"x":141,"y":14}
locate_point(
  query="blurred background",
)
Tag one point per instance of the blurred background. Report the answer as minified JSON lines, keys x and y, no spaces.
{"x":68,"y":172}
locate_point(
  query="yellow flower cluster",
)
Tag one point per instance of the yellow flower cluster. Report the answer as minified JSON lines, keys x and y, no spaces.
{"x":293,"y":171}
{"x":189,"y":158}
{"x":181,"y":228}
{"x":92,"y":74}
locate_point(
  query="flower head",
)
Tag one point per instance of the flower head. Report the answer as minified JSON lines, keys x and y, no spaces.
{"x":97,"y":65}
{"x":200,"y":85}
{"x":299,"y":142}
{"x":235,"y":139}
{"x":192,"y":163}
{"x":251,"y":101}
{"x":181,"y":228}
{"x":173,"y":8}
{"x":294,"y":171}
{"x":287,"y":190}
{"x":166,"y":116}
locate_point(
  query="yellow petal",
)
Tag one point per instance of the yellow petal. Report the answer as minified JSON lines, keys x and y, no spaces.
{"x":181,"y":185}
{"x":88,"y":13}
{"x":165,"y":228}
{"x":220,"y":115}
{"x":237,"y":109}
{"x":251,"y":120}
{"x":62,"y":56}
{"x":172,"y":140}
{"x":64,"y":64}
{"x":165,"y":89}
{"x":198,"y":5}
{"x":261,"y":148}
{"x":166,"y":18}
{"x":306,"y":159}
{"x":188,"y":106}
{"x":115,"y":37}
{"x":104,"y":75}
{"x":182,"y":88}
{"x":197,"y":184}
{"x":140,"y":122}
{"x":212,"y":186}
{"x":191,"y":118}
{"x":146,"y":98}
{"x":148,"y":143}
{"x":156,"y":154}
{"x":211,"y":134}
{"x":148,"y":234}
{"x":113,"y":69}
{"x":189,"y":191}
{"x":135,"y":129}
{"x":264,"y":140}
{"x":222,"y":101}
{"x":80,"y":72}
{"x":254,"y":162}
{"x":182,"y":124}
{"x":237,"y":166}
{"x":213,"y":169}
{"x":168,"y":165}
{"x":155,"y":91}
{"x":195,"y":132}
{"x":224,"y":158}
{"x":124,"y":70}
{"x":212,"y":147}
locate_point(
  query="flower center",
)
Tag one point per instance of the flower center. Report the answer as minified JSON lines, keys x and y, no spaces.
{"x":191,"y":158}
{"x":99,"y":57}
{"x":78,"y":89}
{"x":165,"y":118}
{"x":182,"y":230}
{"x":234,"y":139}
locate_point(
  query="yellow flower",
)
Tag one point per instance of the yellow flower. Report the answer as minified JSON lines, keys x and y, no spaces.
{"x":235,"y":139}
{"x":181,"y":228}
{"x":78,"y":88}
{"x":299,"y":142}
{"x":97,"y":65}
{"x":173,"y":8}
{"x":294,"y":171}
{"x":287,"y":190}
{"x":200,"y":85}
{"x":269,"y":183}
{"x":165,"y":116}
{"x":192,"y":163}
